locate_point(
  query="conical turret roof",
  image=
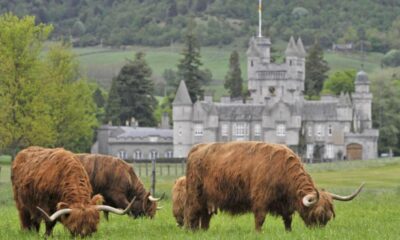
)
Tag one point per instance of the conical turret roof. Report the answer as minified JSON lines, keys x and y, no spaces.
{"x":182,"y":95}
{"x":300,"y":48}
{"x":291,"y":49}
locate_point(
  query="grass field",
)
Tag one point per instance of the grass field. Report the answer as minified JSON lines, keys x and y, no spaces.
{"x":372,"y":215}
{"x":102,"y":64}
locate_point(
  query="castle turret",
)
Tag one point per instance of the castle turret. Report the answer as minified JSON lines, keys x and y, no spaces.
{"x":182,"y":112}
{"x":362,"y":99}
{"x":291,"y":54}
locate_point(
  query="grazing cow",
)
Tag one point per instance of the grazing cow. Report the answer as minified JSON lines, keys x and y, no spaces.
{"x":53,"y":180}
{"x":117,"y":182}
{"x":178,"y":199}
{"x":239,"y":177}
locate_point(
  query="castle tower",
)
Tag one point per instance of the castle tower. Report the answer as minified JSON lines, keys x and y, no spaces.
{"x":362,"y":99}
{"x":182,"y":112}
{"x":295,"y":65}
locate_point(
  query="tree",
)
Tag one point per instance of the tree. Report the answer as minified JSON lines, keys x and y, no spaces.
{"x":233,"y":79}
{"x":135,"y":90}
{"x":78,"y":29}
{"x":340,"y":82}
{"x":44,"y":100}
{"x":385,"y":109}
{"x":189,"y":66}
{"x":316,"y":70}
{"x":391,"y":59}
{"x":24,"y":112}
{"x":113,"y":105}
{"x":73,"y":110}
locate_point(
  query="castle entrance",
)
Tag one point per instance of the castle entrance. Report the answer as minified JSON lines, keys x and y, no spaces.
{"x":354,"y":151}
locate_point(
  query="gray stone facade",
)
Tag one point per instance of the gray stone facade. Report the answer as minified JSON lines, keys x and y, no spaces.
{"x":324,"y":130}
{"x":134,"y":142}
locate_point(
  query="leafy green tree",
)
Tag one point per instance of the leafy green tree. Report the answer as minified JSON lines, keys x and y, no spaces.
{"x":316,"y":70}
{"x":135,"y":90}
{"x":233,"y":79}
{"x":338,"y":82}
{"x":78,"y":29}
{"x":24,"y":112}
{"x":113,"y":105}
{"x":394,"y":34}
{"x":44,"y":100}
{"x":391,"y":59}
{"x":385,"y":109}
{"x":189,"y":66}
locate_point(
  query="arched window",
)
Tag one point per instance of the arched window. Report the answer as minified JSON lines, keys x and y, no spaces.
{"x":137,"y":155}
{"x":122,"y":154}
{"x":169,"y":154}
{"x":153,"y":154}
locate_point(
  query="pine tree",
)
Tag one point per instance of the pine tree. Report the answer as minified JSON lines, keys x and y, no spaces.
{"x":233,"y":79}
{"x":189,"y":66}
{"x":113,"y":105}
{"x":135,"y":91}
{"x":316,"y":70}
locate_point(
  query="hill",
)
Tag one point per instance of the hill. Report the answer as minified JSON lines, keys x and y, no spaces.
{"x":219,"y":22}
{"x":102,"y":64}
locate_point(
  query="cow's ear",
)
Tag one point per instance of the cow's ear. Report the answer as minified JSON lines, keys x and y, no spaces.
{"x":97,"y":200}
{"x":62,"y":205}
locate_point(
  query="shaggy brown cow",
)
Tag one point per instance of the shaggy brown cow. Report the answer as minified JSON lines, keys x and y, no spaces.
{"x":53,"y":180}
{"x":238,"y":177}
{"x":178,"y":201}
{"x":118,"y":183}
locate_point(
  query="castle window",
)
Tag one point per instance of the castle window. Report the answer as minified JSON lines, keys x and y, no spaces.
{"x":251,"y":63}
{"x":310,"y":151}
{"x":290,"y":62}
{"x":168,"y":154}
{"x":122,"y":154}
{"x":330,"y":130}
{"x":329,"y":151}
{"x":257,"y":130}
{"x":280,"y":130}
{"x":240,"y":129}
{"x":309,"y":131}
{"x":153,"y":154}
{"x":346,"y":128}
{"x":224,"y":130}
{"x":137,"y":155}
{"x":198,"y":130}
{"x":319,"y":130}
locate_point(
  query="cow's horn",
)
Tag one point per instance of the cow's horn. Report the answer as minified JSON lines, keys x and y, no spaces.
{"x":153,"y":199}
{"x":159,"y":208}
{"x":116,"y":210}
{"x":55,"y":215}
{"x":310,"y":199}
{"x":347,"y":198}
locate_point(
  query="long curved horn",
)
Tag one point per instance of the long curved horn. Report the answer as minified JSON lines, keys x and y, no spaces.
{"x":153,"y":199}
{"x":55,"y":215}
{"x":116,"y":210}
{"x":349,"y":197}
{"x":310,"y":199}
{"x":159,"y":208}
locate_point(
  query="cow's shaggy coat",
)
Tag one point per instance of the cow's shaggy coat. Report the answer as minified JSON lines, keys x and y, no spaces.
{"x":117,"y":182}
{"x":263,"y":178}
{"x":178,"y":199}
{"x":53,"y":179}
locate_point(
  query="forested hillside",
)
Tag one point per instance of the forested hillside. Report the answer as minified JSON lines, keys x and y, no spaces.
{"x":219,"y":22}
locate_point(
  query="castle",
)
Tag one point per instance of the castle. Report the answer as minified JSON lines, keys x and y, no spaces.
{"x":328,"y":129}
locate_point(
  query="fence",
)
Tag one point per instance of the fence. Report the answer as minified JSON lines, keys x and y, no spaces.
{"x":159,"y":167}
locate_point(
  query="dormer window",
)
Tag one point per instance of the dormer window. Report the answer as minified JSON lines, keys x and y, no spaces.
{"x":280,"y":130}
{"x":198,"y":130}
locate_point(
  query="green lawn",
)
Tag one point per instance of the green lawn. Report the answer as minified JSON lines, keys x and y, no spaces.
{"x":372,"y":215}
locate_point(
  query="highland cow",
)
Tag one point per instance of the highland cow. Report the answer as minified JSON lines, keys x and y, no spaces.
{"x":117,"y":182}
{"x":239,"y":177}
{"x":178,"y":199}
{"x":53,"y":180}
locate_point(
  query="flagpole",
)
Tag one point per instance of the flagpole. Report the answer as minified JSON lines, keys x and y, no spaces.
{"x":259,"y":18}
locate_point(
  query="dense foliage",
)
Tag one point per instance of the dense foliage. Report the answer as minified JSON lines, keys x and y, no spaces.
{"x":338,"y":82}
{"x":131,"y":94}
{"x":316,"y":71}
{"x":233,"y":79}
{"x":162,"y":22}
{"x":43,"y":99}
